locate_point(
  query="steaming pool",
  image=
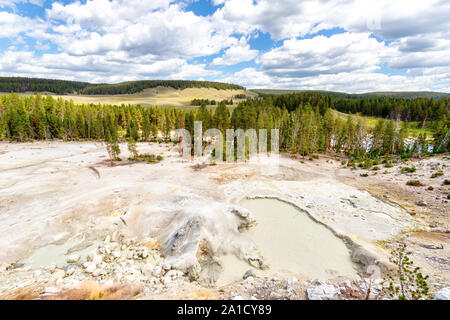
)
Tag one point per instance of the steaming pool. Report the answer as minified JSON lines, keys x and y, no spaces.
{"x":290,"y":241}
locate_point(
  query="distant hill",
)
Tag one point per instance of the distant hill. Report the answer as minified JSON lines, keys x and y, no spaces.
{"x":393,"y":94}
{"x":20,"y":85}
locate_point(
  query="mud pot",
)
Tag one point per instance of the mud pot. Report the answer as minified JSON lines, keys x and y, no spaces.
{"x":290,"y":241}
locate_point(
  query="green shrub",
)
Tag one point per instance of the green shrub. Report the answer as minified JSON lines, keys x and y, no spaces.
{"x":430,"y":188}
{"x":437,"y":174}
{"x":409,"y":169}
{"x":446,"y":182}
{"x":388,"y":165}
{"x":414,"y":183}
{"x":159,"y":158}
{"x":364,"y":175}
{"x":376,"y":168}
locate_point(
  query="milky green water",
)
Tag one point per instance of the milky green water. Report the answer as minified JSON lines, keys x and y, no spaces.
{"x":289,"y":240}
{"x":55,"y":254}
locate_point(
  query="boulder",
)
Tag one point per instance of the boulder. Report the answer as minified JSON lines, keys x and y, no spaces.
{"x":74,"y":258}
{"x":91,"y":267}
{"x":59,"y":274}
{"x":421,"y":203}
{"x":249,"y":273}
{"x":322,"y":292}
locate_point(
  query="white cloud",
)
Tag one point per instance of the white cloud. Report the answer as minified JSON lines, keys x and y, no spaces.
{"x":293,"y":18}
{"x":235,"y":54}
{"x":115,"y":40}
{"x":11,"y":24}
{"x":98,"y":68}
{"x":346,"y":52}
{"x":158,"y":28}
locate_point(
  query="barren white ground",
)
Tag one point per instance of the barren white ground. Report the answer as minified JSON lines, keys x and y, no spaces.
{"x":54,"y":192}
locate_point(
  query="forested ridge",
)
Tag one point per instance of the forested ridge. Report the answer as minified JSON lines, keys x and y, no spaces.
{"x":308,"y":128}
{"x":18,"y":85}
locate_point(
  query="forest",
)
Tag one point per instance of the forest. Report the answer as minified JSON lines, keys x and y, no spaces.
{"x":18,"y":85}
{"x":307,"y":124}
{"x":418,"y":109}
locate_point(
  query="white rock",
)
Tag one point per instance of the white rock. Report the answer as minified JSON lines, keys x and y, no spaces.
{"x":70,"y":271}
{"x":157,"y":271}
{"x":74,"y":258}
{"x":108,"y":239}
{"x":166,"y":266}
{"x":51,"y":267}
{"x":115,"y":236}
{"x":292,"y":281}
{"x":97,"y":259}
{"x":51,"y":290}
{"x":148,"y":269}
{"x":97,"y":272}
{"x":321,"y":292}
{"x":443,"y":294}
{"x":166,"y":280}
{"x":58,"y":274}
{"x":237,"y":298}
{"x":172,"y":274}
{"x":91,"y":267}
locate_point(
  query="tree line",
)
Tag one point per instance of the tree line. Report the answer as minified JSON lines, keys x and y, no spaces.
{"x":18,"y":85}
{"x":309,"y":128}
{"x":418,"y":109}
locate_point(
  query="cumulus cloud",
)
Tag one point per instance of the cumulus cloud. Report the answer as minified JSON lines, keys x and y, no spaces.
{"x":115,"y":40}
{"x":292,"y":18}
{"x":11,"y":24}
{"x":346,"y":52}
{"x":98,"y":68}
{"x":235,"y":54}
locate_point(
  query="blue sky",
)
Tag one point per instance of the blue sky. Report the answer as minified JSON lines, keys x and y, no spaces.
{"x":351,"y":46}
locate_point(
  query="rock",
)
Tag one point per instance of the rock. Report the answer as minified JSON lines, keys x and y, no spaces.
{"x":431,"y":246}
{"x":443,"y":294}
{"x":194,"y":272}
{"x":115,"y":236}
{"x":292,"y":281}
{"x":97,"y":259}
{"x":173,"y":274}
{"x":248,"y":274}
{"x":74,"y":258}
{"x":70,"y":271}
{"x":116,"y":254}
{"x":51,"y":290}
{"x":108,"y":239}
{"x":421,"y":203}
{"x":237,"y":298}
{"x":166,"y":280}
{"x":59,"y":274}
{"x":148,"y":269}
{"x":157,"y":271}
{"x":321,"y":292}
{"x":51,"y":268}
{"x":91,"y":267}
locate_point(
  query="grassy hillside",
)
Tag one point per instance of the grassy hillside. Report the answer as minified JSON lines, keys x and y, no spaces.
{"x":20,"y":85}
{"x":160,"y":96}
